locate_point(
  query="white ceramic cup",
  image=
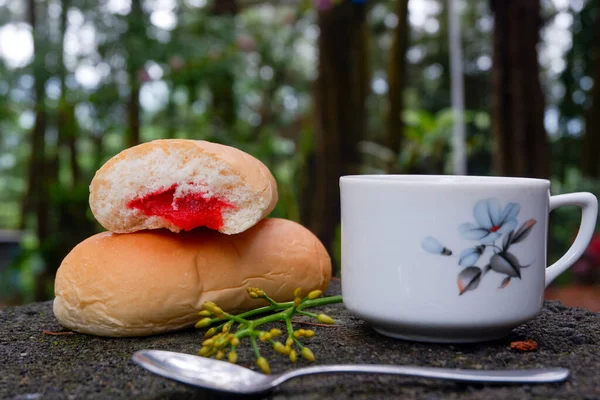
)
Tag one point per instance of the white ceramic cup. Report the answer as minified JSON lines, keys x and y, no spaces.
{"x":450,"y":258}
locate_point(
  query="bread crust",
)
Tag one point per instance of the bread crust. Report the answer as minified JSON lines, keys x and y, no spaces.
{"x":151,"y":282}
{"x":217,"y":169}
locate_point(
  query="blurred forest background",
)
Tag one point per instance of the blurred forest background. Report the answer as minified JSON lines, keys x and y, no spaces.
{"x":315,"y":89}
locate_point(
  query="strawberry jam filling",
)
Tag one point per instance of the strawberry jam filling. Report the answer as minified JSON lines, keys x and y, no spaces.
{"x":187,"y":212}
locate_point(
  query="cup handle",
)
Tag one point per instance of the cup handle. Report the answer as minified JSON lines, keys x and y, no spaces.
{"x":589,"y":212}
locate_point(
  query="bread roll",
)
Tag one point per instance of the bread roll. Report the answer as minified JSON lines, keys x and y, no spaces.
{"x":180,"y":185}
{"x":150,"y":282}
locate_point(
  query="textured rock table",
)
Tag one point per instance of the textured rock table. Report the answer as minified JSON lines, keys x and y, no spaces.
{"x":34,"y":365}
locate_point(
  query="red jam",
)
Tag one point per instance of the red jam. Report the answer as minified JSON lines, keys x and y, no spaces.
{"x":192,"y":210}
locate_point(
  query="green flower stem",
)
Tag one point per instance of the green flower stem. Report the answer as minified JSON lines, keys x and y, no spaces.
{"x":307,"y":314}
{"x":271,"y":301}
{"x":265,"y":309}
{"x":219,"y":327}
{"x":290,"y":328}
{"x":250,"y":326}
{"x":284,"y":315}
{"x":300,"y":346}
{"x":236,"y":318}
{"x":282,"y":306}
{"x":319,"y":302}
{"x":215,"y":320}
{"x":255,"y":346}
{"x":280,"y":316}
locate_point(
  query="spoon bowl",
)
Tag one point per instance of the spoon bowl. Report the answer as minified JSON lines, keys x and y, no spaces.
{"x":225,"y":377}
{"x":203,"y":372}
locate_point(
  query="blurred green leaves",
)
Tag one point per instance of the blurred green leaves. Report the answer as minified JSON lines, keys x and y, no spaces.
{"x":246,"y":80}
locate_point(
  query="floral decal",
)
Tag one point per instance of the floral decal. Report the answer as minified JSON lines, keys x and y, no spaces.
{"x":492,"y":224}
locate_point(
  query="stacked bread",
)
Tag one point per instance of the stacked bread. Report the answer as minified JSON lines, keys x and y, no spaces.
{"x":187,"y":222}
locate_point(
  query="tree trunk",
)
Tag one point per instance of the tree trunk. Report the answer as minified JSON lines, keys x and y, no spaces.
{"x":71,"y":205}
{"x":98,"y":154}
{"x":72,"y":145}
{"x":590,"y":163}
{"x":67,"y":129}
{"x":38,"y":185}
{"x":135,"y":30}
{"x":133,"y":113}
{"x":223,"y":100}
{"x":37,"y":135}
{"x":340,"y":92}
{"x":222,"y":83}
{"x":225,"y":7}
{"x":522,"y":147}
{"x":396,"y":83}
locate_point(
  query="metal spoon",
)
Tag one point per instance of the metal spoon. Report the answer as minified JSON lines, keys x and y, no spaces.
{"x":226,"y":377}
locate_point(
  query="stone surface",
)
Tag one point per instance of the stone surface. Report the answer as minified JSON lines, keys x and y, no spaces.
{"x":34,"y":365}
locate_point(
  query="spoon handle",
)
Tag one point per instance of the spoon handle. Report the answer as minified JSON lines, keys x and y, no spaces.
{"x":543,"y":375}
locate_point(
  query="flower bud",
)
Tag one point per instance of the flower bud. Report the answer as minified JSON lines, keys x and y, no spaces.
{"x":293,"y":355}
{"x":275,"y":332}
{"x":298,"y":292}
{"x":205,"y":313}
{"x":210,"y":333}
{"x":209,"y":305}
{"x":226,"y":327}
{"x":264,"y":336}
{"x":309,"y":333}
{"x":203,"y":323}
{"x":208,"y":343}
{"x":218,"y":312}
{"x":299,"y":333}
{"x":289,"y":342}
{"x":315,"y":294}
{"x":220,"y":355}
{"x":234,"y":341}
{"x":255,"y":293}
{"x":326,"y":319}
{"x":204,"y":351}
{"x":281,"y":349}
{"x":232,"y":357}
{"x":263,"y":365}
{"x":297,"y":301}
{"x":221,"y":342}
{"x":308,"y":354}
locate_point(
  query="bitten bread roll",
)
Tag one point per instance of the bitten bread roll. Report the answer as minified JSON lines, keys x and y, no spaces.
{"x":150,"y":282}
{"x":180,"y":185}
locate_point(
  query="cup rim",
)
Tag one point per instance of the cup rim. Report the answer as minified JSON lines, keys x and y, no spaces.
{"x":443,"y":180}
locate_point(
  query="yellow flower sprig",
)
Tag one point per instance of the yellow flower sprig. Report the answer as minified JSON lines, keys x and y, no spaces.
{"x":220,"y":340}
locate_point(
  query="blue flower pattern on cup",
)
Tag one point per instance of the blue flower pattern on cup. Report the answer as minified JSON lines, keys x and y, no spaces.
{"x":470,"y":256}
{"x":492,"y":222}
{"x":432,"y":245}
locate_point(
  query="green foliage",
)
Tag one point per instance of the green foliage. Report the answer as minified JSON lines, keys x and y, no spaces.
{"x":564,"y":221}
{"x":427,"y":142}
{"x":244,"y":80}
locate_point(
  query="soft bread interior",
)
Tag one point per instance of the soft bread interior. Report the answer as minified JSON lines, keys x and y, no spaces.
{"x":158,"y":166}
